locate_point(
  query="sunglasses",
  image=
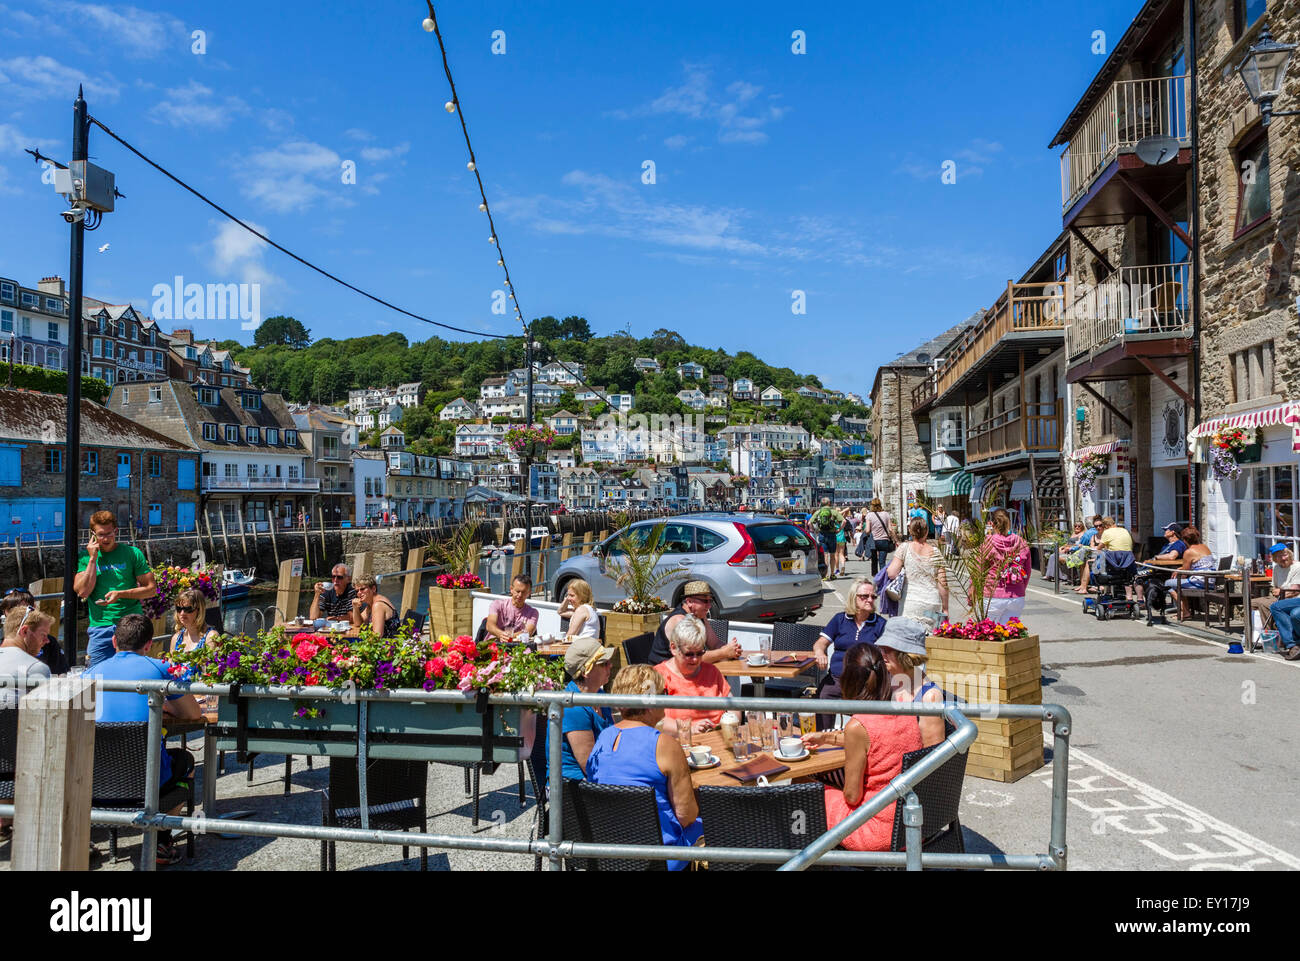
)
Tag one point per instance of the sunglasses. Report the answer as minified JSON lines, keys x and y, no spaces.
{"x":180,"y":608}
{"x":866,"y":597}
{"x":338,"y":577}
{"x":691,"y":655}
{"x":30,"y":609}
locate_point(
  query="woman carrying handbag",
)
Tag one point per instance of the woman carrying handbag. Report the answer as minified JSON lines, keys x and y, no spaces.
{"x":877,"y":527}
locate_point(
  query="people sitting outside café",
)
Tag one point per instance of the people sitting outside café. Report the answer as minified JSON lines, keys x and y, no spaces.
{"x":1196,"y":557}
{"x":903,"y":645}
{"x":1285,"y":597}
{"x":112,"y":578}
{"x":510,"y":617}
{"x":371,"y":609}
{"x":1007,"y":554}
{"x":192,"y":628}
{"x":697,"y":599}
{"x":874,"y":745}
{"x":1063,"y":554}
{"x":1174,"y":544}
{"x":25,"y":632}
{"x":857,"y":624}
{"x":587,"y":663}
{"x":52,"y":654}
{"x":1088,"y":544}
{"x":579,"y":608}
{"x":687,"y":675}
{"x":333,"y":601}
{"x":926,"y":598}
{"x":130,"y":641}
{"x":633,"y":751}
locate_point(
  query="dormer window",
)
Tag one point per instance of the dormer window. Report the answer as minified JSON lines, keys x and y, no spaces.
{"x":250,"y":401}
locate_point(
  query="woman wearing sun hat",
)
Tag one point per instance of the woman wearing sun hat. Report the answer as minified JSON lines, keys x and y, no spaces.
{"x":587,"y":663}
{"x":903,"y":645}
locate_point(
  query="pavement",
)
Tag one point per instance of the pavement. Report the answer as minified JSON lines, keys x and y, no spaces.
{"x":1183,"y":757}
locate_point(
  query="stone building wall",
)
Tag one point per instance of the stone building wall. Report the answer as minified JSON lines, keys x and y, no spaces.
{"x":886,"y":407}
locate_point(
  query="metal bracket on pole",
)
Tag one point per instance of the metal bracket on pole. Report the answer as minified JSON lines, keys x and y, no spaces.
{"x":912,"y":821}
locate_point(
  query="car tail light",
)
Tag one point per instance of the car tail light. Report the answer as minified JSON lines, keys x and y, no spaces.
{"x":746,"y":556}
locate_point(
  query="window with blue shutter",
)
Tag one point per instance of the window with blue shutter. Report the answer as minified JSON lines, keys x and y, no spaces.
{"x":124,"y":471}
{"x":185,"y":474}
{"x":11,"y":461}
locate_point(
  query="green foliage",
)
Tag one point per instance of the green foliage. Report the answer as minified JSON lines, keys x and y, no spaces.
{"x":282,"y":331}
{"x":635,"y":571}
{"x":54,"y":382}
{"x":457,"y":553}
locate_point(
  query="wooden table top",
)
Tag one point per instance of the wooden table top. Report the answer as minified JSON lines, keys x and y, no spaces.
{"x":823,"y":759}
{"x":738,"y":667}
{"x":1174,"y":562}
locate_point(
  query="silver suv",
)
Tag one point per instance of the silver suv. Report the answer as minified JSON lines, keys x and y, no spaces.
{"x":761,"y":568}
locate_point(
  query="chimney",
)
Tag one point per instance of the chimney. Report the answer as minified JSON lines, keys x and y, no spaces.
{"x":51,"y":285}
{"x":182,"y":335}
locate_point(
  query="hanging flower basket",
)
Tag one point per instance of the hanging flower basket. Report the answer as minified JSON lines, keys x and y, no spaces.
{"x":530,"y":441}
{"x":1088,"y":469}
{"x":170,"y":581}
{"x":1227,"y":448}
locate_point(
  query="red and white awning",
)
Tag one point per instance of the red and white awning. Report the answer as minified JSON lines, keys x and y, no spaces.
{"x":1288,"y":413}
{"x":1110,"y":448}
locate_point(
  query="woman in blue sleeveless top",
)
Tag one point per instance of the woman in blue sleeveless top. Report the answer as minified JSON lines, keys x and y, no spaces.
{"x":634,"y":752}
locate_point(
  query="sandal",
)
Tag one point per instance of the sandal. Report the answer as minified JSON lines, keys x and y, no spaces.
{"x":169,"y":854}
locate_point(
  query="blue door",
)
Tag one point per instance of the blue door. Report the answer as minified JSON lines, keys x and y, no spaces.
{"x":185,"y":516}
{"x":155,"y":515}
{"x":185,"y":474}
{"x":124,"y":471}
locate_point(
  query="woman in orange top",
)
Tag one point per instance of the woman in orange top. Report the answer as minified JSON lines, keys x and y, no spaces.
{"x":874,"y":745}
{"x":687,"y":675}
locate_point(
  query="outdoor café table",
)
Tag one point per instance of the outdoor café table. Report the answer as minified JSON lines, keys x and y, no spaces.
{"x":823,"y":759}
{"x":739,"y":667}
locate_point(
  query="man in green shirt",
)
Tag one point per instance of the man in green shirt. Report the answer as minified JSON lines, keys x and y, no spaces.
{"x":113,"y":578}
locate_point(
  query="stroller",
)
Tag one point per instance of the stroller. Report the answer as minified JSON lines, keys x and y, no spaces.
{"x":1114,"y":572}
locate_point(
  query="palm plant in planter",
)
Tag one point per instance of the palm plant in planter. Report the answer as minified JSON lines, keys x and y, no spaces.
{"x":637,"y":573}
{"x":451,"y":606}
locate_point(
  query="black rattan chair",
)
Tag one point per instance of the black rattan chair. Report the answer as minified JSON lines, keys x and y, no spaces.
{"x":795,"y":637}
{"x":396,"y":792}
{"x":8,"y":751}
{"x":761,"y":817}
{"x":118,"y":782}
{"x":637,"y":649}
{"x":940,"y":797}
{"x":417,"y":621}
{"x":720,"y":628}
{"x":612,"y":814}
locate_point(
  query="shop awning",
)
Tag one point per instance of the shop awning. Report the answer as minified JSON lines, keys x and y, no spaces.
{"x":1021,"y":490}
{"x":1288,"y":413}
{"x":1110,"y":448}
{"x":949,"y":484}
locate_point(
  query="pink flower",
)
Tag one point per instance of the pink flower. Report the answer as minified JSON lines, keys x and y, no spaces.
{"x":306,"y":650}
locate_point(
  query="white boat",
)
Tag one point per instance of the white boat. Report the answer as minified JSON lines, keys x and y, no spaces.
{"x":235,"y":583}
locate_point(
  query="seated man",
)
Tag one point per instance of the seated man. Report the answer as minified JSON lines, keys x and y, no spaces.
{"x":1286,"y":608}
{"x":1174,"y":544}
{"x":1088,"y":540}
{"x":130,"y":639}
{"x":333,"y":601}
{"x":697,"y":599}
{"x":509,"y":617}
{"x":1286,"y":583}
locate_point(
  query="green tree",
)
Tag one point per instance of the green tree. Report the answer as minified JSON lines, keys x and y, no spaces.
{"x":285,"y":331}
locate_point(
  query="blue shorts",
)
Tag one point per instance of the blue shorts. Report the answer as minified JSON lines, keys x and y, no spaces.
{"x":99,"y":646}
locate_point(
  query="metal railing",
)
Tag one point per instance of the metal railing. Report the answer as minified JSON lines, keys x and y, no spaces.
{"x":261,"y":483}
{"x":1032,"y":428}
{"x":555,"y":848}
{"x":1146,"y":301}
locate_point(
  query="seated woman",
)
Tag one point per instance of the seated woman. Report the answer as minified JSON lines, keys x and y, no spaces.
{"x":1196,"y":557}
{"x":687,"y":675}
{"x":1068,"y":548}
{"x":372,"y":609}
{"x":874,"y":745}
{"x":192,"y":629}
{"x":633,"y":752}
{"x":587,"y":663}
{"x":581,"y":612}
{"x":903,"y":645}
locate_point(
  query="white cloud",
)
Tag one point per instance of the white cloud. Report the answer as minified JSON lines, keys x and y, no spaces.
{"x":237,"y":252}
{"x":969,"y":161}
{"x":293,"y":176}
{"x":195,"y":106}
{"x":381,"y":154}
{"x":356,"y":133}
{"x":737,"y":112}
{"x":677,"y":141}
{"x":42,"y":76}
{"x":141,"y":33}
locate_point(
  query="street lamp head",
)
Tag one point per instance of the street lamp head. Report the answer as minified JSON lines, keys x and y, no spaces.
{"x":1264,"y":69}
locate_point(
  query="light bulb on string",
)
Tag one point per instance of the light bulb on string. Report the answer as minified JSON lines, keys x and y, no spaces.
{"x":501,"y":263}
{"x":470,"y":165}
{"x":428,"y":25}
{"x":482,"y":207}
{"x":449,"y":106}
{"x":492,"y":239}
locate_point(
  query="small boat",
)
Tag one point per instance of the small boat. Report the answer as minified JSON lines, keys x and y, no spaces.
{"x":235,"y":583}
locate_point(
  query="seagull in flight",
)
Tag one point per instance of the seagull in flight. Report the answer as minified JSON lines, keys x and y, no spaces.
{"x":103,"y":248}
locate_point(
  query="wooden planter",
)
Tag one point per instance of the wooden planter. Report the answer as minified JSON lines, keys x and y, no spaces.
{"x":451,"y":612}
{"x":989,"y":672}
{"x":619,"y":627}
{"x":405,"y":730}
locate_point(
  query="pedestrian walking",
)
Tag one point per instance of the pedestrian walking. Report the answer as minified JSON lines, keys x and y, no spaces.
{"x":112,"y":578}
{"x":879,"y":527}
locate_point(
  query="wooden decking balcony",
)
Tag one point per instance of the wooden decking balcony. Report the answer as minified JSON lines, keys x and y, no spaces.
{"x":1029,"y":429}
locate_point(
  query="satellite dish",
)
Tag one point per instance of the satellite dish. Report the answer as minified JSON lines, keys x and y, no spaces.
{"x":1154,"y":151}
{"x":923,"y":357}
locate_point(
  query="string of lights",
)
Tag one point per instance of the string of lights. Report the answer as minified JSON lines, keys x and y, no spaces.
{"x":284,"y":250}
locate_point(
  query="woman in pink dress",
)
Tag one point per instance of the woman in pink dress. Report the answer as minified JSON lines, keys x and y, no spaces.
{"x":874,"y":745}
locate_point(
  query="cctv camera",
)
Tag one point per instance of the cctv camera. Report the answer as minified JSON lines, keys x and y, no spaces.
{"x":75,"y":215}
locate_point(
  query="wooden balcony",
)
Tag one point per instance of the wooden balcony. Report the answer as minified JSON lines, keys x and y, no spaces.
{"x":1129,"y":111}
{"x":1025,"y":310}
{"x":923,"y":393}
{"x":1035,"y":429}
{"x":1135,"y":311}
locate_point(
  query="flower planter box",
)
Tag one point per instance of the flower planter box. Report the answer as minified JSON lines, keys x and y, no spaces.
{"x":992,"y":672}
{"x":403,"y":730}
{"x":619,"y":627}
{"x":451,"y":612}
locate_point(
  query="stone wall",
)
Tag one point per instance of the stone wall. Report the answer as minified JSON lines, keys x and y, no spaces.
{"x":886,"y":406}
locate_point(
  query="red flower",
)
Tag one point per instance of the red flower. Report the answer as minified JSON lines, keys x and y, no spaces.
{"x":454,"y":660}
{"x":311,"y":680}
{"x":306,"y":650}
{"x":494,"y":651}
{"x":466,"y":646}
{"x":434,"y":667}
{"x":465,"y":670}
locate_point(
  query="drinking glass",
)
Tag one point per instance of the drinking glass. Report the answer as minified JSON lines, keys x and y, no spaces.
{"x":765,"y":647}
{"x":785,"y":725}
{"x":684,"y":735}
{"x":758,"y":730}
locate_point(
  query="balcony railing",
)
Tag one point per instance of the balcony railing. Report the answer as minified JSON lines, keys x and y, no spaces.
{"x":261,"y":484}
{"x":1150,"y":300}
{"x":1024,"y":307}
{"x":1036,"y":428}
{"x":1129,"y":111}
{"x":923,"y":392}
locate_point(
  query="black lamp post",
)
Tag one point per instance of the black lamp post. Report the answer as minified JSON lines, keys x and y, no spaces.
{"x":1264,"y":72}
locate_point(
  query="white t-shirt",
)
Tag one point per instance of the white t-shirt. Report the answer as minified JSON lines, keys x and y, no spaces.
{"x":951,"y":524}
{"x":15,"y":662}
{"x":591,"y":626}
{"x":1286,"y":576}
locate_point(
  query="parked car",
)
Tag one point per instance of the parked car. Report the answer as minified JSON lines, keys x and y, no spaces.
{"x":760,"y":567}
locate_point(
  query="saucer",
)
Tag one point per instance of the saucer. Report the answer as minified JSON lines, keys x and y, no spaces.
{"x":714,"y":761}
{"x":763,"y":663}
{"x":777,"y":755}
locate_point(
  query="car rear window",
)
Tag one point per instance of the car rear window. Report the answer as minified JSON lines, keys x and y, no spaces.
{"x":707,"y":540}
{"x":778,"y":537}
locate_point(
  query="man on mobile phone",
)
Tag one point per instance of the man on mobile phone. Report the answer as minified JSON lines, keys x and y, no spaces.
{"x":112,"y":578}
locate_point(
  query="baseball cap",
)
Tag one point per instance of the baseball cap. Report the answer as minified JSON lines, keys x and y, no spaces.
{"x":1173,"y":527}
{"x":584,"y":654}
{"x":1279,"y":547}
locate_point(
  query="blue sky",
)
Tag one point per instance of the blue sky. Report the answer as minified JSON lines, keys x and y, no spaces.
{"x":774,"y":172}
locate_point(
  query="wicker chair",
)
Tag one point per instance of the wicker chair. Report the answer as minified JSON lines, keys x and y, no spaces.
{"x":8,"y":752}
{"x":1212,"y":592}
{"x":417,"y":621}
{"x":637,"y":649}
{"x":118,"y":783}
{"x":720,"y":628}
{"x":396,"y":792}
{"x":940,"y":797}
{"x":761,"y":817}
{"x":612,"y":814}
{"x":794,"y":637}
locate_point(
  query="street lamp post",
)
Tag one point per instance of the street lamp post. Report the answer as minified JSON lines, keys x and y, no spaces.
{"x":1264,"y":72}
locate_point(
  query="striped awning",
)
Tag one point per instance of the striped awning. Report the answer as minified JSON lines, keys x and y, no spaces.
{"x":1288,"y":413}
{"x":949,"y":484}
{"x":1110,"y":448}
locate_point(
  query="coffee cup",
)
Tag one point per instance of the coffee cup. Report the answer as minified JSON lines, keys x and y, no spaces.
{"x":791,"y":746}
{"x":756,"y":659}
{"x":700,"y":754}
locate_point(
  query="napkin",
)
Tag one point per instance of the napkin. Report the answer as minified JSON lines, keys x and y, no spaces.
{"x":762,"y":766}
{"x":790,"y":660}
